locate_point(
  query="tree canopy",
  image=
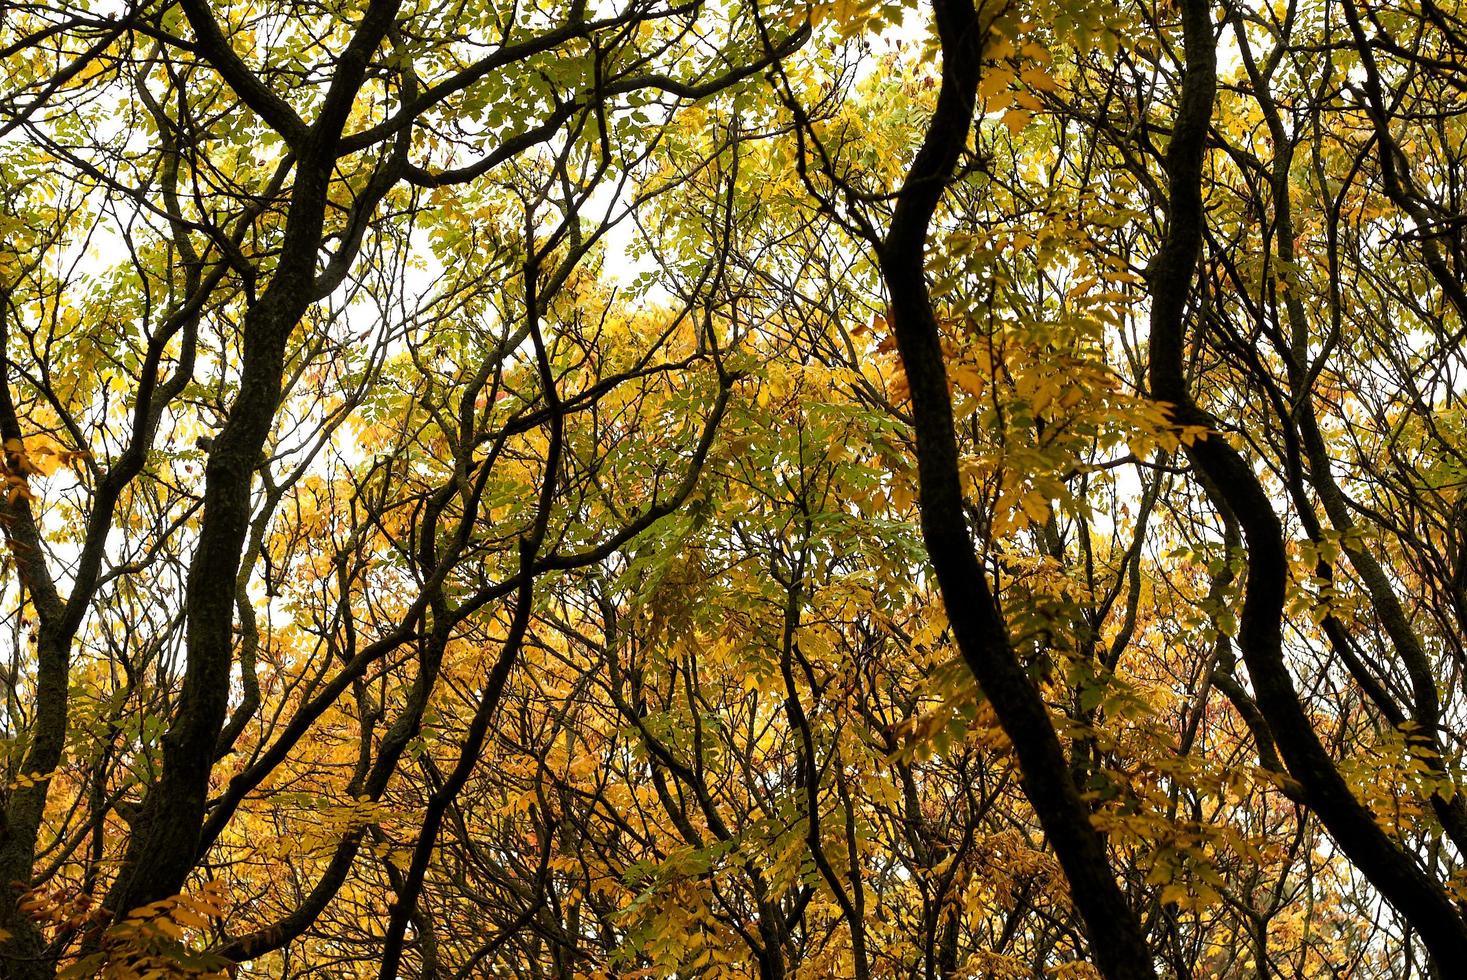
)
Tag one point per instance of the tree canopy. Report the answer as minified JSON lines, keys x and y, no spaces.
{"x":733,"y":488}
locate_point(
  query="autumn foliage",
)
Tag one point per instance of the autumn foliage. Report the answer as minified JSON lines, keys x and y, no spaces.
{"x":714,"y":488}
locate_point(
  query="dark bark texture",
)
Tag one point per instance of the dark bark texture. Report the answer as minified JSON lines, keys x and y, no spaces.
{"x":1420,"y":900}
{"x":1111,"y":924}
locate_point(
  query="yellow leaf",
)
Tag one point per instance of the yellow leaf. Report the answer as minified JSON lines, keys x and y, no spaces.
{"x":994,"y":82}
{"x":1174,"y":893}
{"x":1036,"y":78}
{"x":1016,"y":120}
{"x":1035,"y":507}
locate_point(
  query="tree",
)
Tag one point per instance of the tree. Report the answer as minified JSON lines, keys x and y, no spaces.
{"x":836,"y":489}
{"x":262,"y":307}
